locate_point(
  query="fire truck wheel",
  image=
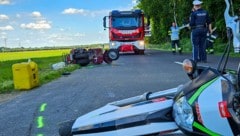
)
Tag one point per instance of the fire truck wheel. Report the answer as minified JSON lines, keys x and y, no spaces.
{"x":83,"y":62}
{"x":113,"y":54}
{"x":141,"y":52}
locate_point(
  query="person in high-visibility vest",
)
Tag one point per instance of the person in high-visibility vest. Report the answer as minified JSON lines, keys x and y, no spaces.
{"x":174,"y":33}
{"x":211,"y":37}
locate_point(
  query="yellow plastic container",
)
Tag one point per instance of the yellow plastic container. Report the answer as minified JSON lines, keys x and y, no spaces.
{"x":25,"y":75}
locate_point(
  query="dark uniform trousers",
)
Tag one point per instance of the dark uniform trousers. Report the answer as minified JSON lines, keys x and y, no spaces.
{"x":199,"y":21}
{"x":198,"y":37}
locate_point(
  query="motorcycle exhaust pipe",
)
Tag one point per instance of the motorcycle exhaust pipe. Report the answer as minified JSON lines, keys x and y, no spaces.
{"x":144,"y":97}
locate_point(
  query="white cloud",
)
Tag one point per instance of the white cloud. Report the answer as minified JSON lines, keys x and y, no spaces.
{"x":74,"y":11}
{"x":60,"y":37}
{"x":4,"y":2}
{"x":134,"y":2}
{"x":39,"y":25}
{"x":56,"y":36}
{"x":86,"y":12}
{"x":79,"y":35}
{"x":18,"y":15}
{"x":3,"y":33}
{"x":36,"y":14}
{"x":3,"y":17}
{"x":6,"y":28}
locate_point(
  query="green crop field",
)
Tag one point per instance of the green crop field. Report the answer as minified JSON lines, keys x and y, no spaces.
{"x":5,"y":56}
{"x":44,"y":60}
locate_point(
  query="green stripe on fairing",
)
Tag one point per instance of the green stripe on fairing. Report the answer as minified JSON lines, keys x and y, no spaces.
{"x":200,"y":90}
{"x":205,"y":130}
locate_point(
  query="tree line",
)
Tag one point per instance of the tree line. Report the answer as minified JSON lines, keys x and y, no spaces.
{"x":164,"y":12}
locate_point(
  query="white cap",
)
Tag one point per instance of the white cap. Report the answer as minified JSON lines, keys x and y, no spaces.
{"x":197,"y":2}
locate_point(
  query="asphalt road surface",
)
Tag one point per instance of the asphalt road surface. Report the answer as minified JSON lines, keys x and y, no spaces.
{"x":39,"y":111}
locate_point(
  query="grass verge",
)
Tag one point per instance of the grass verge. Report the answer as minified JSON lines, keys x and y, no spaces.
{"x":187,"y":47}
{"x":46,"y":74}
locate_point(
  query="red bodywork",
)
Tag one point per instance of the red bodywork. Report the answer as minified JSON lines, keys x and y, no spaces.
{"x":127,"y":36}
{"x":94,"y":55}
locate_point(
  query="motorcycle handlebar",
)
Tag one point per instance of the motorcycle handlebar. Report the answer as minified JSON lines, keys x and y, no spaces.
{"x":144,"y":97}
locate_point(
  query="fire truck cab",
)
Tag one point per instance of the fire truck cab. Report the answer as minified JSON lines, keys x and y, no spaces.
{"x":126,"y":30}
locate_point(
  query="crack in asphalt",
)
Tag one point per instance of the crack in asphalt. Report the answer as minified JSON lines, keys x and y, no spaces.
{"x":31,"y":126}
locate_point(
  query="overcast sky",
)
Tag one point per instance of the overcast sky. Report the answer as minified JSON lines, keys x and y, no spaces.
{"x":38,"y":23}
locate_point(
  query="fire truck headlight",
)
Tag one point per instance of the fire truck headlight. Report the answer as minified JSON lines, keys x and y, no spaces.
{"x":112,"y":44}
{"x":141,"y":43}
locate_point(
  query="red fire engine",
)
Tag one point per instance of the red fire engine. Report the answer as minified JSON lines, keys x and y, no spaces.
{"x":126,"y":30}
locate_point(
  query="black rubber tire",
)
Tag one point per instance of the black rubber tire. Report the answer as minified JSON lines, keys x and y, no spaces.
{"x":139,"y":52}
{"x":113,"y":54}
{"x":83,"y":62}
{"x":81,"y":56}
{"x":65,"y":128}
{"x":136,"y":51}
{"x":106,"y":58}
{"x":66,"y":73}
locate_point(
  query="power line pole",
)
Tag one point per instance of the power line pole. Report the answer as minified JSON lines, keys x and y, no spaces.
{"x":5,"y":42}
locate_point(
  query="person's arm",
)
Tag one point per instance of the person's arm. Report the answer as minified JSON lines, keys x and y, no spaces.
{"x":210,"y":28}
{"x":192,"y":20}
{"x":184,"y":26}
{"x":209,"y":23}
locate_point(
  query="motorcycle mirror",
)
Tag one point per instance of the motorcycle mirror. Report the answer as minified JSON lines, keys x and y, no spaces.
{"x":189,"y":66}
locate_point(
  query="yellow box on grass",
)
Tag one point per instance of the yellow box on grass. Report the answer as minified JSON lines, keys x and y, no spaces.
{"x":25,"y":75}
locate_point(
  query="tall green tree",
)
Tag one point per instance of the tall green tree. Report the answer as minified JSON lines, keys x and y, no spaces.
{"x":163,"y":13}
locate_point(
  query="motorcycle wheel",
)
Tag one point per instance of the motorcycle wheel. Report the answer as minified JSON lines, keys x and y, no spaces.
{"x":106,"y":58}
{"x":83,"y":62}
{"x":81,"y":56}
{"x":65,"y":128}
{"x":113,"y":54}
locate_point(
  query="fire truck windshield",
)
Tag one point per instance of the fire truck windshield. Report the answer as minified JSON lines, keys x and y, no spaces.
{"x":126,"y":22}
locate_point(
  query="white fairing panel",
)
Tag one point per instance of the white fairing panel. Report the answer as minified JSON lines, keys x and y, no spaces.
{"x":208,"y":106}
{"x":96,"y":117}
{"x":139,"y":130}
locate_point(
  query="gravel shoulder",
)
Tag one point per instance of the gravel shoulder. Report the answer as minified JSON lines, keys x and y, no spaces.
{"x":9,"y":96}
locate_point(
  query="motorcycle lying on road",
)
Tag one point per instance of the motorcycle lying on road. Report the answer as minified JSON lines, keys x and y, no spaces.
{"x":209,"y":104}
